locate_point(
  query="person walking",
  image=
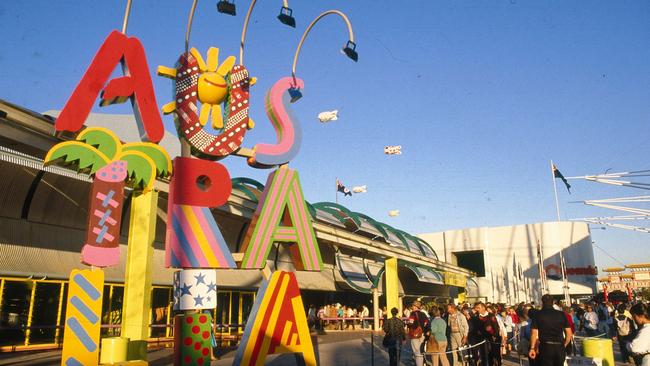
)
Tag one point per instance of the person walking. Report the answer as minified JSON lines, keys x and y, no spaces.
{"x":365,"y":313}
{"x":485,"y":329}
{"x":553,"y":331}
{"x":603,"y":319}
{"x":458,"y":331}
{"x":340,"y":313}
{"x":418,"y":324}
{"x":523,"y":344}
{"x":640,"y":345}
{"x":351,"y":315}
{"x":498,"y":348}
{"x":590,"y":321}
{"x":624,"y":331}
{"x":394,"y":329}
{"x":568,"y":312}
{"x":513,"y":318}
{"x":510,"y":325}
{"x":437,"y":344}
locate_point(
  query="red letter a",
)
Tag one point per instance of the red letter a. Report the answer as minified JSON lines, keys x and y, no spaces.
{"x":136,"y":84}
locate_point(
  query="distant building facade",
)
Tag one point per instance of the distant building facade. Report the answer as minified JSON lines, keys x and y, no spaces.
{"x":507,"y":260}
{"x":618,"y":279}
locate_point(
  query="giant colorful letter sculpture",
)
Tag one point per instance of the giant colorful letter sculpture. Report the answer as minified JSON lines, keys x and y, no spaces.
{"x":287,"y":126}
{"x":82,"y":318}
{"x":195,"y":81}
{"x":192,"y":339}
{"x":279,"y":326}
{"x":193,"y":238}
{"x":136,"y":84}
{"x":282,"y":216}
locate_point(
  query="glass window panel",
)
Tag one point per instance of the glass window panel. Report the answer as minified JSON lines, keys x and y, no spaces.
{"x":115,"y":316}
{"x":106,"y":309}
{"x":247,"y":300}
{"x":160,"y":298}
{"x":234,"y":312}
{"x":223,"y":310}
{"x":46,"y":307}
{"x":15,"y":308}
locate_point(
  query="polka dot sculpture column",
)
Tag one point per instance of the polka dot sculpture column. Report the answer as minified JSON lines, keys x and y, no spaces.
{"x":193,"y":334}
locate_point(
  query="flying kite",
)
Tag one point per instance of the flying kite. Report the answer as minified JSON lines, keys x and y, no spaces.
{"x":359,"y":189}
{"x":327,"y":116}
{"x":393,"y":213}
{"x":393,"y":150}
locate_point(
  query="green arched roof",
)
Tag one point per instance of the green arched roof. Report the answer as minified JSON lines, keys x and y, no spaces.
{"x":247,"y":185}
{"x":394,"y":232}
{"x":336,"y":210}
{"x":372,"y":222}
{"x":244,"y":184}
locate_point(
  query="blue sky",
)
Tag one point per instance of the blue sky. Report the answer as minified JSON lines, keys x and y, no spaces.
{"x":480,"y":94}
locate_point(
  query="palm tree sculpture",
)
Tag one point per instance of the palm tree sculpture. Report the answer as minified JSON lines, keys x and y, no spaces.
{"x":99,"y":152}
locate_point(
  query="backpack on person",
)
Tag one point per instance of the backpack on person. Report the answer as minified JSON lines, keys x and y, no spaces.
{"x":623,"y":326}
{"x":416,"y":330}
{"x":601,"y":314}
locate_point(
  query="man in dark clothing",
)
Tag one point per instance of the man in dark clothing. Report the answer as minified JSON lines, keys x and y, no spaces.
{"x":553,"y":331}
{"x":394,"y":328}
{"x":485,"y":327}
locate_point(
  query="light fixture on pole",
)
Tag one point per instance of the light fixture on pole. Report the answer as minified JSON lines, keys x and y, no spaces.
{"x":286,"y":16}
{"x":349,"y":50}
{"x":294,"y":93}
{"x":227,"y":7}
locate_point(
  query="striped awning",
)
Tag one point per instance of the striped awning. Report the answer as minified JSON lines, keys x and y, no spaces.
{"x":353,"y":272}
{"x":427,"y":274}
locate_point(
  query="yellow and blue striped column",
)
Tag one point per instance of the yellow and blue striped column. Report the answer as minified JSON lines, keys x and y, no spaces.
{"x":83,"y":318}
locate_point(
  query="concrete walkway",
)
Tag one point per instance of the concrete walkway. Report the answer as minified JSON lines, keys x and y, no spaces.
{"x":339,"y":348}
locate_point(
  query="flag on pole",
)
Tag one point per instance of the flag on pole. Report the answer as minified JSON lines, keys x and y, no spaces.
{"x":341,"y":188}
{"x":557,"y":174}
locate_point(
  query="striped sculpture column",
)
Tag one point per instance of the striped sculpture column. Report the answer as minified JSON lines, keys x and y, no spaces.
{"x":82,"y":318}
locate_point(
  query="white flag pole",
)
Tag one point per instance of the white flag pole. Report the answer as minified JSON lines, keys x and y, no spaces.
{"x":565,"y":282}
{"x":557,"y":203}
{"x":336,"y":183}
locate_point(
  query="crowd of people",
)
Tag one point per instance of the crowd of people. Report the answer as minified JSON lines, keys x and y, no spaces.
{"x":484,"y":333}
{"x":339,"y":317}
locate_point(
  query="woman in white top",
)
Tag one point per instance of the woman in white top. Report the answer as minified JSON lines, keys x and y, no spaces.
{"x":590,"y":321}
{"x":511,"y":328}
{"x":640,"y":345}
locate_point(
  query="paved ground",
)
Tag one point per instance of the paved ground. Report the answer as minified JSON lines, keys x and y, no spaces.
{"x":344,"y":348}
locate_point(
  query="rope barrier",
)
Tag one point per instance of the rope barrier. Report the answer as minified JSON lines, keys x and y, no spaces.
{"x":460,"y":349}
{"x":506,"y":341}
{"x":346,"y":318}
{"x":596,"y":336}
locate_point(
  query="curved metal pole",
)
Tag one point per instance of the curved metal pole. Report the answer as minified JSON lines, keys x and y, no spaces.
{"x":285,"y":3}
{"x":311,"y":25}
{"x":243,"y":32}
{"x":189,"y":26}
{"x":127,"y":12}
